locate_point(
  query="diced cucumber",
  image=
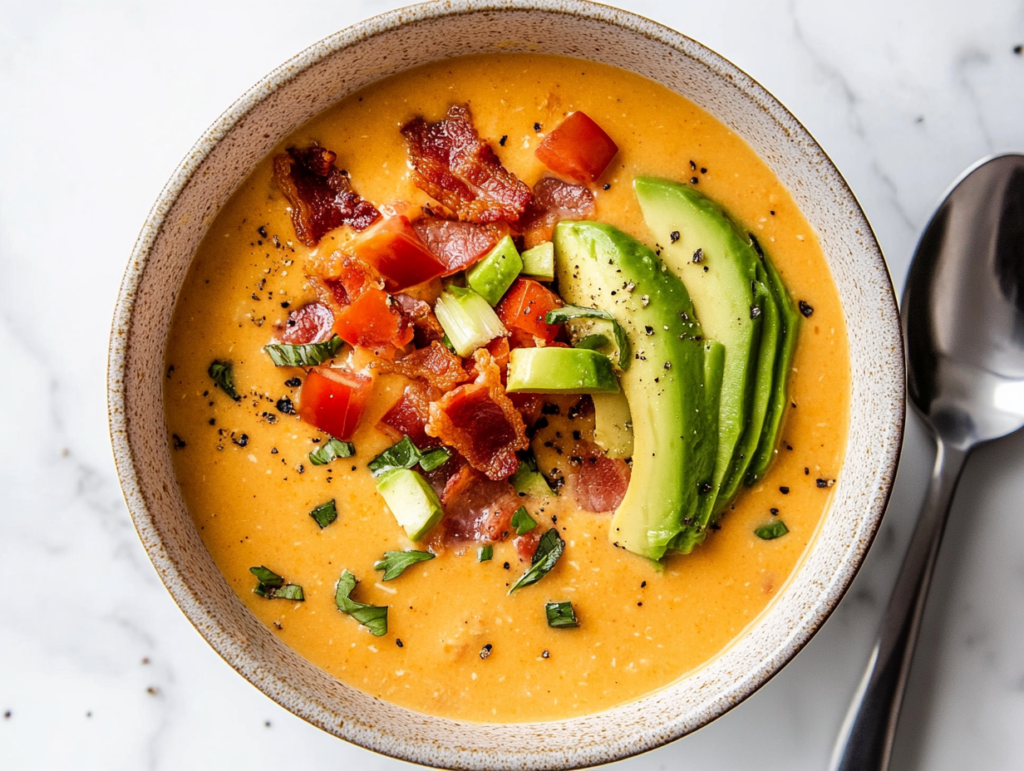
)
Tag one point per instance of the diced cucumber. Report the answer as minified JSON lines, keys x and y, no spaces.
{"x":494,"y":274}
{"x":539,"y":262}
{"x":412,"y":501}
{"x":467,"y":319}
{"x":560,"y":371}
{"x":613,"y":425}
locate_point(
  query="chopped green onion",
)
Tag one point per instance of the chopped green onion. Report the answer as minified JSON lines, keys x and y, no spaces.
{"x":431,"y":459}
{"x":395,"y":562}
{"x":334,"y":449}
{"x":373,"y":617}
{"x":561,"y":615}
{"x":467,"y":319}
{"x":522,"y":521}
{"x":222,"y":375}
{"x":325,"y":513}
{"x":494,"y":274}
{"x":574,"y":312}
{"x":771,"y":531}
{"x":310,"y":355}
{"x":402,"y":454}
{"x":539,"y":262}
{"x":548,"y":551}
{"x":485,"y":553}
{"x":271,"y":586}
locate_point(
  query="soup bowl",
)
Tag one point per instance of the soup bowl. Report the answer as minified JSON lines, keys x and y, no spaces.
{"x":318,"y":78}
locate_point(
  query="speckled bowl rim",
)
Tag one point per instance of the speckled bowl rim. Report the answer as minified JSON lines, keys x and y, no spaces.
{"x":788,"y":642}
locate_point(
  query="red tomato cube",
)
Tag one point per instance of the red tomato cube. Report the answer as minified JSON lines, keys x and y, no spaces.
{"x":396,"y":252}
{"x":333,"y":400}
{"x":578,"y":148}
{"x":526,"y":304}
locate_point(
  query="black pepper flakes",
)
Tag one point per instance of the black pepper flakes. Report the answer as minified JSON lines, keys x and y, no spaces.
{"x":755,"y":311}
{"x":285,"y":406}
{"x":503,"y":140}
{"x":784,"y":490}
{"x":179,"y":443}
{"x":698,"y":256}
{"x":607,"y":186}
{"x":824,"y":483}
{"x":399,"y":643}
{"x":262,"y":230}
{"x":1019,"y":50}
{"x":693,"y":166}
{"x":506,"y":566}
{"x":536,"y":127}
{"x":286,"y":304}
{"x":544,"y":655}
{"x":674,"y":236}
{"x":775,"y":512}
{"x":293,"y":382}
{"x":486,"y":651}
{"x":694,"y":180}
{"x":806,"y":309}
{"x":241,"y":441}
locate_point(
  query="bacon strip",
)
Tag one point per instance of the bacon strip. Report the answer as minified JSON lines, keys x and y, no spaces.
{"x":476,"y":508}
{"x":457,"y":245}
{"x":321,"y":195}
{"x":409,"y":415}
{"x":312,"y":323}
{"x":452,"y":164}
{"x":427,"y":327}
{"x":598,"y":483}
{"x":435,"y":364}
{"x":553,"y":200}
{"x":481,"y":422}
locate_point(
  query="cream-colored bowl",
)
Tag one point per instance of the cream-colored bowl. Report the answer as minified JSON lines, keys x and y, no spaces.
{"x":316,"y":79}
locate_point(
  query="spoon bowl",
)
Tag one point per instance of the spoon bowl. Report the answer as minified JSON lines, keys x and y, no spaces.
{"x":963,"y":319}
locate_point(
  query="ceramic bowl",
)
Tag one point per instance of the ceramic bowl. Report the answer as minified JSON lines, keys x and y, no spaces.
{"x":316,"y":79}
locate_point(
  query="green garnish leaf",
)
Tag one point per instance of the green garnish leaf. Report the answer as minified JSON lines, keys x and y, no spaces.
{"x":334,"y":449}
{"x":395,"y":562}
{"x":771,"y":531}
{"x":548,"y":551}
{"x":267,"y":577}
{"x":402,"y":454}
{"x":572,"y":312}
{"x":522,"y":521}
{"x":434,"y":458}
{"x":222,"y":375}
{"x":373,"y":617}
{"x":325,"y":513}
{"x":310,"y":355}
{"x":561,"y":615}
{"x":271,"y":586}
{"x":485,"y":553}
{"x":593,"y":342}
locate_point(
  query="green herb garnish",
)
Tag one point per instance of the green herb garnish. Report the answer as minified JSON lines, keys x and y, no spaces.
{"x":771,"y":531}
{"x":572,"y":312}
{"x":325,"y":513}
{"x":522,"y":521}
{"x":405,"y":454}
{"x":284,"y":355}
{"x":395,"y":562}
{"x":561,"y":615}
{"x":548,"y":551}
{"x":334,"y":449}
{"x":222,"y":375}
{"x":273,"y":587}
{"x":373,"y":617}
{"x":485,"y":553}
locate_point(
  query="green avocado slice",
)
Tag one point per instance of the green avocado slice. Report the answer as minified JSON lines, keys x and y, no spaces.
{"x":722,"y":273}
{"x":560,"y":371}
{"x":789,"y":329}
{"x":674,"y":409}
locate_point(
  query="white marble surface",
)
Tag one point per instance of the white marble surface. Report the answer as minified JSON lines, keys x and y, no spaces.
{"x":98,"y":103}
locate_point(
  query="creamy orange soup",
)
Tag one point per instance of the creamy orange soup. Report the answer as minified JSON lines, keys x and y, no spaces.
{"x":244,"y":472}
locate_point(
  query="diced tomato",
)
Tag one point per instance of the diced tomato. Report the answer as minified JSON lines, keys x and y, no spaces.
{"x":333,"y":400}
{"x":578,"y":148}
{"x":526,"y":304}
{"x":396,"y":252}
{"x":372,"y":321}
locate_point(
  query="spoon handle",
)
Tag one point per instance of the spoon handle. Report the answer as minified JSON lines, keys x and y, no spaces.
{"x":866,"y":738}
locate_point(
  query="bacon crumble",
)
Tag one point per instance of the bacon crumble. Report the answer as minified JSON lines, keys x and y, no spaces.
{"x":553,"y":200}
{"x":457,"y":245}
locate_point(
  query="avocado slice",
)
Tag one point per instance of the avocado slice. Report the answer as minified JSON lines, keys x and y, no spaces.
{"x":789,"y":329}
{"x":411,"y":499}
{"x":674,"y":412}
{"x":722,"y":273}
{"x":560,"y":371}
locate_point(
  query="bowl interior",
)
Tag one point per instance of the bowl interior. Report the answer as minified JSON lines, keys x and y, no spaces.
{"x":313,"y":81}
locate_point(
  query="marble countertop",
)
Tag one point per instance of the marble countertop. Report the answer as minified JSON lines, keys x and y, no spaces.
{"x":99,"y":102}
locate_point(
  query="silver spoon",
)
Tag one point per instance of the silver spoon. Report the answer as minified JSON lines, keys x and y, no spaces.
{"x":963,"y":316}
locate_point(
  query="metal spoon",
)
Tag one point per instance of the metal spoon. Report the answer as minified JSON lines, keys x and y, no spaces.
{"x":963,"y":315}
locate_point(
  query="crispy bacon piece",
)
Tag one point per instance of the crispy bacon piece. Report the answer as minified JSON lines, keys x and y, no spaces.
{"x":338,"y":291}
{"x":321,"y":195}
{"x":526,"y":545}
{"x":427,"y":328}
{"x":312,"y":323}
{"x":481,"y":422}
{"x":598,"y":483}
{"x":436,"y":364}
{"x":476,"y":508}
{"x":409,"y":415}
{"x":529,"y":406}
{"x":553,"y":200}
{"x":453,"y":165}
{"x":457,"y":245}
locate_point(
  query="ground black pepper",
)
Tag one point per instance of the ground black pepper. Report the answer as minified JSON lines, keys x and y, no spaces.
{"x":806,"y":309}
{"x":784,"y":490}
